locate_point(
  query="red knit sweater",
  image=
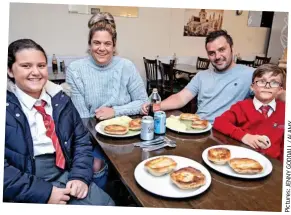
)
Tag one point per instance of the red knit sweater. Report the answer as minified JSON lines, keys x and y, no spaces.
{"x":242,"y":118}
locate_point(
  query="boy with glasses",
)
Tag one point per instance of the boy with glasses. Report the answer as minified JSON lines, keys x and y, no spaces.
{"x":259,"y":122}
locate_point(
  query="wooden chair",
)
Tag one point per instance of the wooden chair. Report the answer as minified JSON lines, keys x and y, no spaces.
{"x":202,"y":63}
{"x":261,"y":60}
{"x":151,"y":68}
{"x":245,"y":62}
{"x":191,"y":107}
{"x":169,"y":84}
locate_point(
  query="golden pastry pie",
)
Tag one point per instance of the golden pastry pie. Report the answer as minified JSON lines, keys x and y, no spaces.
{"x":160,"y":166}
{"x":116,"y":129}
{"x":188,"y":178}
{"x":199,"y":124}
{"x":219,"y":155}
{"x":189,"y":116}
{"x":245,"y":165}
{"x":135,"y":124}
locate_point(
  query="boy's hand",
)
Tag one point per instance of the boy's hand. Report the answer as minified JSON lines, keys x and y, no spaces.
{"x":256,"y":141}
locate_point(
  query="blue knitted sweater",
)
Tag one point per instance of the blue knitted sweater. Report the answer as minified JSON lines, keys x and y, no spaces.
{"x":117,"y":85}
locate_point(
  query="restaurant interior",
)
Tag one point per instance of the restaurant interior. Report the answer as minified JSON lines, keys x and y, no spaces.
{"x":167,"y":46}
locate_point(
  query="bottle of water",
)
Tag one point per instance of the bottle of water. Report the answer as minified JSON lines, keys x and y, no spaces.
{"x":154,"y":98}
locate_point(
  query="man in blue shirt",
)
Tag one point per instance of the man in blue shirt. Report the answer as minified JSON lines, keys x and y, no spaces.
{"x":216,"y":88}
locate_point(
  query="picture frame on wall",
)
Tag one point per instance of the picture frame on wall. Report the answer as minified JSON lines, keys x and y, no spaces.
{"x":95,"y":10}
{"x":200,"y":22}
{"x":129,"y":12}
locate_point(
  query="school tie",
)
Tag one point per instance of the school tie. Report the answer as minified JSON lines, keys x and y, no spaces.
{"x":51,"y":133}
{"x":265,"y":110}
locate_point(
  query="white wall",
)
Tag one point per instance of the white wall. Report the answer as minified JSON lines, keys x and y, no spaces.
{"x":157,"y":31}
{"x":278,"y":37}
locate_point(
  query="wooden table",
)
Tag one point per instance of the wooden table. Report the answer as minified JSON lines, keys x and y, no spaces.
{"x":190,"y":70}
{"x":58,"y":78}
{"x":224,"y":193}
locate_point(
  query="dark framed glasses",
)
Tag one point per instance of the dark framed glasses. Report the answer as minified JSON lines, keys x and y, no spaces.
{"x":263,"y":83}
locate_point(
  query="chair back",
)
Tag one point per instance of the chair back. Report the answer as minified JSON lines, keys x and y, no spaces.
{"x":261,"y":60}
{"x":245,"y":62}
{"x":151,"y":68}
{"x":202,"y":63}
{"x":167,"y":75}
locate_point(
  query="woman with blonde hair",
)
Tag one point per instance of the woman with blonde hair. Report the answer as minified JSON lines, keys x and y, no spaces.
{"x":105,"y":85}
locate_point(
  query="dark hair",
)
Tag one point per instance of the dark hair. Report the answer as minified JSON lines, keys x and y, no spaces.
{"x":102,"y":21}
{"x":266,"y":68}
{"x":19,"y":45}
{"x":215,"y":34}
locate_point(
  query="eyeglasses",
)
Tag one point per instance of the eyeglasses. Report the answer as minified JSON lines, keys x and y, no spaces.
{"x":272,"y":84}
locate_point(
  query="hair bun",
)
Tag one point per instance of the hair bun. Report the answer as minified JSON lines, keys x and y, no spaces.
{"x":101,"y":18}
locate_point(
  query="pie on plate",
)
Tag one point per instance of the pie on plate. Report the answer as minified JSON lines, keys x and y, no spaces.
{"x":219,"y":155}
{"x":245,"y":165}
{"x":160,"y":166}
{"x":135,"y":124}
{"x":189,"y":116}
{"x":188,"y":178}
{"x":116,"y":129}
{"x":199,"y":124}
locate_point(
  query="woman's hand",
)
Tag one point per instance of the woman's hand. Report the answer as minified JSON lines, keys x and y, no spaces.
{"x":145,"y":109}
{"x":104,"y":113}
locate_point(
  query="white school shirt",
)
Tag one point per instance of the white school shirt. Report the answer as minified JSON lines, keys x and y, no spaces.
{"x":258,"y":104}
{"x":41,"y":143}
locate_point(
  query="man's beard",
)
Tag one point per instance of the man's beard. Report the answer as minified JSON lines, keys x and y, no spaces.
{"x":225,"y":68}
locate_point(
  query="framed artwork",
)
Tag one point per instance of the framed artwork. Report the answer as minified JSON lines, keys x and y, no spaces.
{"x":94,"y":10}
{"x":130,"y":12}
{"x":200,"y":22}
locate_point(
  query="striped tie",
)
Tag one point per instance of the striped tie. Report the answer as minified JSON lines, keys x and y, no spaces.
{"x":51,"y":133}
{"x":265,"y":110}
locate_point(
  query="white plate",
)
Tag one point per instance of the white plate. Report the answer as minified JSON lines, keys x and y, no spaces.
{"x":122,"y":120}
{"x":100,"y":129}
{"x":163,"y":186}
{"x":240,"y":152}
{"x":189,"y":130}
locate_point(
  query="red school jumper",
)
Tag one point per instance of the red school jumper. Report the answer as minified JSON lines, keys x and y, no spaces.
{"x":243,"y":118}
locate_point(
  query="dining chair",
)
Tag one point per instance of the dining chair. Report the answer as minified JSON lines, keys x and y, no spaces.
{"x":261,"y":60}
{"x":245,"y":62}
{"x":190,"y":107}
{"x":151,"y":68}
{"x":202,"y":63}
{"x":169,"y":83}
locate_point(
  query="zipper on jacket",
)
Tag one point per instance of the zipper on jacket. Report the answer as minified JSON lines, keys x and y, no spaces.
{"x":58,"y":134}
